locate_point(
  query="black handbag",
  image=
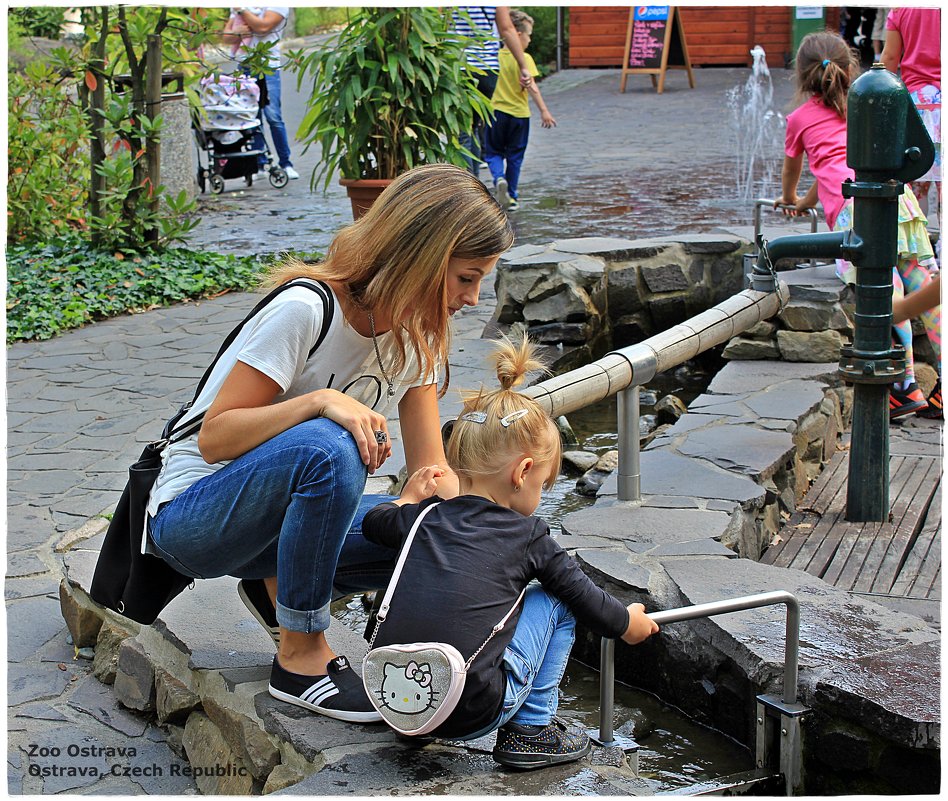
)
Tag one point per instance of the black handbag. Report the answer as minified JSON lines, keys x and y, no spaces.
{"x":139,"y":585}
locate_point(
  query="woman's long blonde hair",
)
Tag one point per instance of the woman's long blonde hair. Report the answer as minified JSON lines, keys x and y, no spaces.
{"x":481,"y":443}
{"x":395,"y":258}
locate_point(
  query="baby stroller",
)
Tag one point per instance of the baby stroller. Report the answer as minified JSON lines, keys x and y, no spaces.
{"x":226,"y":130}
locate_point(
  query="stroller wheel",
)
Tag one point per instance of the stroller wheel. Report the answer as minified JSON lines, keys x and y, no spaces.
{"x":278,"y":177}
{"x":202,"y":181}
{"x":217,"y":184}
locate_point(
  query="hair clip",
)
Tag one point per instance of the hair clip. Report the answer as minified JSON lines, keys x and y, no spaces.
{"x":474,"y":417}
{"x":826,"y":63}
{"x":508,"y":419}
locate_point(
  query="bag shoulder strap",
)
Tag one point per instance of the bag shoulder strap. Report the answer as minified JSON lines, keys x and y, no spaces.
{"x":396,"y":574}
{"x":171,"y":434}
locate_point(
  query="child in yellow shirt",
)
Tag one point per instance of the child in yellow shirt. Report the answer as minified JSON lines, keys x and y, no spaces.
{"x":507,"y":136}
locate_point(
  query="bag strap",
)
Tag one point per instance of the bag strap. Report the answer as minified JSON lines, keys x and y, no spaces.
{"x":170,"y":433}
{"x":396,"y":574}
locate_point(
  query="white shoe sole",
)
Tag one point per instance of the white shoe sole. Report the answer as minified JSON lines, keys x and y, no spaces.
{"x":503,"y":197}
{"x":338,"y":714}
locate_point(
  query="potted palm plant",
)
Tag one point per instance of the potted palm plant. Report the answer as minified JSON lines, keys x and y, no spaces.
{"x":391,"y":92}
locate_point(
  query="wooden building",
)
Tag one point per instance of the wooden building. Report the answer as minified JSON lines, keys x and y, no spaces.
{"x":716,"y":35}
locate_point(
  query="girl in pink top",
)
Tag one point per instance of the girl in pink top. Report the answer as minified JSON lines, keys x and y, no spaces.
{"x":913,"y":43}
{"x":825,"y":67}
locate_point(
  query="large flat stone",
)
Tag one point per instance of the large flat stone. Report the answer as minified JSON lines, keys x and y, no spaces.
{"x":644,"y":527}
{"x":742,"y":378}
{"x":26,"y":683}
{"x":667,"y":473}
{"x":98,"y":701}
{"x":744,"y":449}
{"x":31,"y":623}
{"x":791,"y":400}
{"x":879,"y":660}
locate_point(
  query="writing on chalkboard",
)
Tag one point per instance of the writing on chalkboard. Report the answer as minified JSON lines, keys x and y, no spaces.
{"x":655,"y":43}
{"x":648,"y":37}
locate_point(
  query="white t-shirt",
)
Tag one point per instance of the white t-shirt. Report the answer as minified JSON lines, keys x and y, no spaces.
{"x":273,"y":36}
{"x":277,"y":342}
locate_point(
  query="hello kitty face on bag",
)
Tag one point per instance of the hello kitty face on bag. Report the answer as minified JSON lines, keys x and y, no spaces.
{"x":407,"y":689}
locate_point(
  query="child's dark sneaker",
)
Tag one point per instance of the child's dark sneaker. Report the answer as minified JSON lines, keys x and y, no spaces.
{"x":526,"y":747}
{"x":253,"y":592}
{"x":338,"y":695}
{"x":906,"y":401}
{"x":935,"y":410}
{"x":501,"y":193}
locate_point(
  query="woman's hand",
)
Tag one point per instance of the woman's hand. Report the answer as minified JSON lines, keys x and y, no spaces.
{"x":369,"y":429}
{"x":421,"y":484}
{"x":244,"y":415}
{"x":641,"y":626}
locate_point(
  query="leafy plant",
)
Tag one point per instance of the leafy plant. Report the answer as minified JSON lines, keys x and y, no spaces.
{"x":391,"y":92}
{"x":312,"y":20}
{"x":543,"y":42}
{"x":47,"y":147}
{"x":68,"y":283}
{"x":43,"y":21}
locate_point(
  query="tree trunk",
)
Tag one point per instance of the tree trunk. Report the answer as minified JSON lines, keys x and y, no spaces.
{"x":94,"y":106}
{"x":153,"y":142}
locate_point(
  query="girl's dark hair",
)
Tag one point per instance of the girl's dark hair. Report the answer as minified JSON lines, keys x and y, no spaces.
{"x":825,"y":67}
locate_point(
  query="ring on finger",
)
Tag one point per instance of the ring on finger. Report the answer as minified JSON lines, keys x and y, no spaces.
{"x":381,"y":437}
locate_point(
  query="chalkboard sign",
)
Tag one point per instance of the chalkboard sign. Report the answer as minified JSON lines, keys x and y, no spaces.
{"x":649,"y":24}
{"x":654,"y":43}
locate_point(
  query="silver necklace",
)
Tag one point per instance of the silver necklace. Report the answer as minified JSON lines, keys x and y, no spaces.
{"x":378,"y":357}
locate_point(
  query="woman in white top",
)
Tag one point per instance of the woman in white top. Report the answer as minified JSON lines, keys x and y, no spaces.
{"x":270,"y":491}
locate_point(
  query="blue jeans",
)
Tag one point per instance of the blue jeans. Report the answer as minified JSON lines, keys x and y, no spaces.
{"x":535,"y":661}
{"x":507,"y":141}
{"x":273,"y":113}
{"x":291,"y":508}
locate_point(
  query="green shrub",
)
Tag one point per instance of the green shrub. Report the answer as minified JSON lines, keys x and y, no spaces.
{"x":45,"y":21}
{"x":68,"y":283}
{"x":317,"y":20}
{"x":543,"y":43}
{"x":48,"y":155}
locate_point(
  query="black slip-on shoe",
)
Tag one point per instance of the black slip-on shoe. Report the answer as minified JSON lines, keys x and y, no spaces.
{"x":528,"y":747}
{"x":253,"y":592}
{"x":339,"y":695}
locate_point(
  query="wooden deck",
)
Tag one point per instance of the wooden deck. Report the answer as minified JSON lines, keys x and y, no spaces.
{"x":900,"y":559}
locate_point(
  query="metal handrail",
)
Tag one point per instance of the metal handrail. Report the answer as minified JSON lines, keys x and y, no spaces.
{"x":791,"y":649}
{"x":763,"y":202}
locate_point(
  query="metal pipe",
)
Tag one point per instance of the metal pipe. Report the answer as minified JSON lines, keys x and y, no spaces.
{"x":559,"y":38}
{"x":638,"y":363}
{"x":791,"y":649}
{"x":607,"y":688}
{"x":630,"y":475}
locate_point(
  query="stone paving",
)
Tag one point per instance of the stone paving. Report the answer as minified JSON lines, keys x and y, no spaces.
{"x":80,"y":406}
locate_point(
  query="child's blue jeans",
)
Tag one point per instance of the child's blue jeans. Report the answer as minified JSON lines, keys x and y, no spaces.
{"x":506,"y":140}
{"x":535,"y":661}
{"x":291,"y":508}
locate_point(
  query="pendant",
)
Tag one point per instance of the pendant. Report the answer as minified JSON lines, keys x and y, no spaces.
{"x":391,"y":390}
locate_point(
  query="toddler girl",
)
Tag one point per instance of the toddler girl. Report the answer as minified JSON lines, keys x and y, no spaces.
{"x":825,"y":67}
{"x":474,"y":554}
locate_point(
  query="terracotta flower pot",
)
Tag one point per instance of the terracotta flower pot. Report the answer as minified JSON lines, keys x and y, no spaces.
{"x":363,"y":192}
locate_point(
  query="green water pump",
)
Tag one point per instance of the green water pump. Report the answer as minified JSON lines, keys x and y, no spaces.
{"x":886,"y":146}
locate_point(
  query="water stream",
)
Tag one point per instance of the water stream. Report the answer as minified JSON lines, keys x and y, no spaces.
{"x":757,"y":130}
